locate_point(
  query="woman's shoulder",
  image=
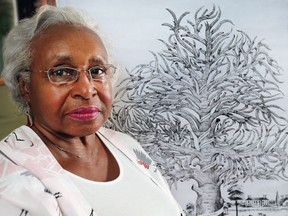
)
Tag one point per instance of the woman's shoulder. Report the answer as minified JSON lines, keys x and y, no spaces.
{"x":19,"y":134}
{"x":127,"y":144}
{"x":110,"y":133}
{"x":134,"y":151}
{"x":120,"y":139}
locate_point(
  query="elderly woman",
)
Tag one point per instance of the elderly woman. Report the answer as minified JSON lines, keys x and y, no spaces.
{"x":64,"y":162}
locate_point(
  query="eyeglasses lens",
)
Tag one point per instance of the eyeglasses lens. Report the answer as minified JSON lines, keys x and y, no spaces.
{"x":68,"y":75}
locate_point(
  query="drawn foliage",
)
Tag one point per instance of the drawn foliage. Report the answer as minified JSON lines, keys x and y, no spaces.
{"x":207,"y":106}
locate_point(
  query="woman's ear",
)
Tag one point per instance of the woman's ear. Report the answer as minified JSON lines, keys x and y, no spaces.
{"x":24,"y":90}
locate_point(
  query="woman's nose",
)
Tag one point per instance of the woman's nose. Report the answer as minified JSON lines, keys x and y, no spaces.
{"x":84,"y":87}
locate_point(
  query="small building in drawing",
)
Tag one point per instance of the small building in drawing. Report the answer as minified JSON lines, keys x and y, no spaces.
{"x":256,"y":201}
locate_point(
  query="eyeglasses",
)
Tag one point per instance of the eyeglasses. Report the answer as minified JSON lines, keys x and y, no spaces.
{"x":66,"y":75}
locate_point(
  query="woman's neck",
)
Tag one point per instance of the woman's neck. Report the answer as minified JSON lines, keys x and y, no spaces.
{"x":86,"y":156}
{"x":68,"y":146}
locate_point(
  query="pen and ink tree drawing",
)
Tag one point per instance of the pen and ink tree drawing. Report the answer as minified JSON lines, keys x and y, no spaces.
{"x":207,"y":107}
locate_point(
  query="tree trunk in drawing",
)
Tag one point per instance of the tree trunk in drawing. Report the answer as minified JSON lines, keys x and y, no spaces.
{"x":236,"y":205}
{"x":209,"y":198}
{"x":207,"y":107}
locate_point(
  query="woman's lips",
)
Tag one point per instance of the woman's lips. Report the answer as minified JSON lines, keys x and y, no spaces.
{"x":84,"y":114}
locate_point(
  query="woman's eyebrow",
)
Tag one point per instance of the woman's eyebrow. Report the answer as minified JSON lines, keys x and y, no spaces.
{"x":97,"y":59}
{"x":68,"y":58}
{"x":65,"y":58}
{"x":60,"y":59}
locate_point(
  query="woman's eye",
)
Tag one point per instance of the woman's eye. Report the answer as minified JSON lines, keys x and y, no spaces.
{"x":98,"y":71}
{"x":62,"y":75}
{"x":62,"y":72}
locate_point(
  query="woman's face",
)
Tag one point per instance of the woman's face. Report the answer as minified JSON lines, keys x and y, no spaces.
{"x":76,"y":109}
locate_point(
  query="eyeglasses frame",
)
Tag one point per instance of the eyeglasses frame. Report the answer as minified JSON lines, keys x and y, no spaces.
{"x":114,"y":68}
